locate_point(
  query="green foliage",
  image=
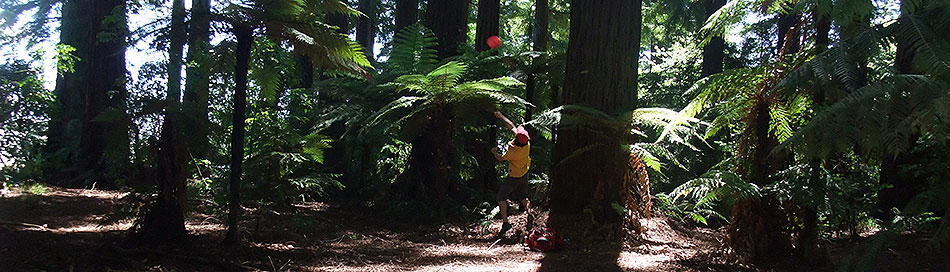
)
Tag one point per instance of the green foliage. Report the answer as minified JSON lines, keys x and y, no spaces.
{"x":412,"y":50}
{"x":280,"y":163}
{"x":648,"y":131}
{"x":24,"y":113}
{"x":65,"y":59}
{"x":440,"y":88}
{"x":296,"y":22}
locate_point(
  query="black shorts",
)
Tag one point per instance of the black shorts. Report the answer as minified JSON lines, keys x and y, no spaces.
{"x":513,"y":188}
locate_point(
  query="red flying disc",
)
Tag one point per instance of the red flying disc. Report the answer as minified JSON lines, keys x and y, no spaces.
{"x":493,"y":42}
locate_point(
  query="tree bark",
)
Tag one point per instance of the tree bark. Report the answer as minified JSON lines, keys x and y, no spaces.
{"x":601,"y":73}
{"x":486,"y":23}
{"x":431,"y":177}
{"x":366,"y":27}
{"x":448,"y":20}
{"x":97,"y":85}
{"x":407,"y":13}
{"x":165,"y":222}
{"x":243,"y":53}
{"x":714,"y":50}
{"x":755,"y":232}
{"x":175,"y":53}
{"x":541,"y":19}
{"x":198,"y":79}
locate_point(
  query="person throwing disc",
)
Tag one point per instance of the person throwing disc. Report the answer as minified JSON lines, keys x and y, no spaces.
{"x":515,"y":186}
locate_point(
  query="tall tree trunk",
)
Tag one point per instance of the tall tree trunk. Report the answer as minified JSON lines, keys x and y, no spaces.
{"x":541,"y":19}
{"x":756,"y":231}
{"x":809,"y":235}
{"x":243,"y":53}
{"x":407,"y":13}
{"x":198,"y":78}
{"x":165,"y":222}
{"x":97,"y":85}
{"x":448,"y":20}
{"x":431,"y":177}
{"x":486,"y":23}
{"x":601,"y":73}
{"x":366,"y":27}
{"x":899,"y":185}
{"x":714,"y":51}
{"x":334,"y":158}
{"x":175,"y":53}
{"x":70,"y":86}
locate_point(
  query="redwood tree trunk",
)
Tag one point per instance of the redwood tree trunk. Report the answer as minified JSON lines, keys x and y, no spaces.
{"x":198,"y":78}
{"x":601,"y":73}
{"x":407,"y":13}
{"x":244,"y":39}
{"x":366,"y":27}
{"x":486,"y":24}
{"x":448,"y":20}
{"x":165,"y":221}
{"x":541,"y":19}
{"x":97,"y":85}
{"x":714,"y":51}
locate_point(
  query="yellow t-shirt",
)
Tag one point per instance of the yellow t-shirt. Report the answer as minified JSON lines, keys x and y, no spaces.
{"x":518,"y":160}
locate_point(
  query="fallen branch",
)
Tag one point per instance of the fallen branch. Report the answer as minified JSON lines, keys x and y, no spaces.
{"x":493,"y":244}
{"x":21,"y":224}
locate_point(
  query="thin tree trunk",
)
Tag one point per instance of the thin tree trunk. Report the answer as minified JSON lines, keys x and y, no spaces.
{"x":175,"y":53}
{"x":486,"y":23}
{"x":541,"y":15}
{"x":407,"y":13}
{"x":448,"y":20}
{"x":198,"y":79}
{"x":601,"y":73}
{"x":165,"y":222}
{"x":714,"y":51}
{"x":244,"y":39}
{"x":809,"y":237}
{"x":755,"y":232}
{"x":366,"y":27}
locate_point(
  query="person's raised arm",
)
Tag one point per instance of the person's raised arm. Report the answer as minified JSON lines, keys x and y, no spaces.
{"x":505,"y":120}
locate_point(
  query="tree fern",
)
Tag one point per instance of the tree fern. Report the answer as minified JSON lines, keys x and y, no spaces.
{"x":441,"y":87}
{"x":412,"y":50}
{"x":295,"y":21}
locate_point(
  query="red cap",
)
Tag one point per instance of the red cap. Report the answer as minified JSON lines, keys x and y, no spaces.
{"x":522,"y":135}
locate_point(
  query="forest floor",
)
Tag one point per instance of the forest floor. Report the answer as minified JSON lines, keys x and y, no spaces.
{"x":61,"y":230}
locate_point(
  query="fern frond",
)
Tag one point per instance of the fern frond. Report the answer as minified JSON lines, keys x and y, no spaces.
{"x":391,"y":108}
{"x":413,"y":50}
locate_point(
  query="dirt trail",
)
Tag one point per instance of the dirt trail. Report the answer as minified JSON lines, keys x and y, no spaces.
{"x":59,"y":230}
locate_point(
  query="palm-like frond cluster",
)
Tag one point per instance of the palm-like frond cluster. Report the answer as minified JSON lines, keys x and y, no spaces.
{"x":296,"y":21}
{"x":441,"y":88}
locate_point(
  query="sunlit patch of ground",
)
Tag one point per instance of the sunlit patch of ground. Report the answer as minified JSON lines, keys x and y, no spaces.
{"x":637,"y":261}
{"x":312,"y":236}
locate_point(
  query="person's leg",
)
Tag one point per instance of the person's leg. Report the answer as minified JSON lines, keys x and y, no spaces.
{"x":502,"y":198}
{"x":503,"y":210}
{"x":529,"y":220}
